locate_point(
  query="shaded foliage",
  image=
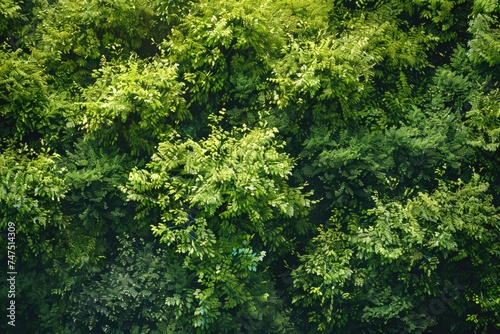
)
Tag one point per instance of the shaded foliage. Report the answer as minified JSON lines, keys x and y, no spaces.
{"x":267,"y":166}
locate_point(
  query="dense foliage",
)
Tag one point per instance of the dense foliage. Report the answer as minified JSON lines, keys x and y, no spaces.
{"x":253,"y":166}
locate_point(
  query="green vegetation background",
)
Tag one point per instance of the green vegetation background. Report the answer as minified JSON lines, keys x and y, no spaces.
{"x":225,"y":166}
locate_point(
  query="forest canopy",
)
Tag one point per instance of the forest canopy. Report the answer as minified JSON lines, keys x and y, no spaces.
{"x":244,"y":166}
